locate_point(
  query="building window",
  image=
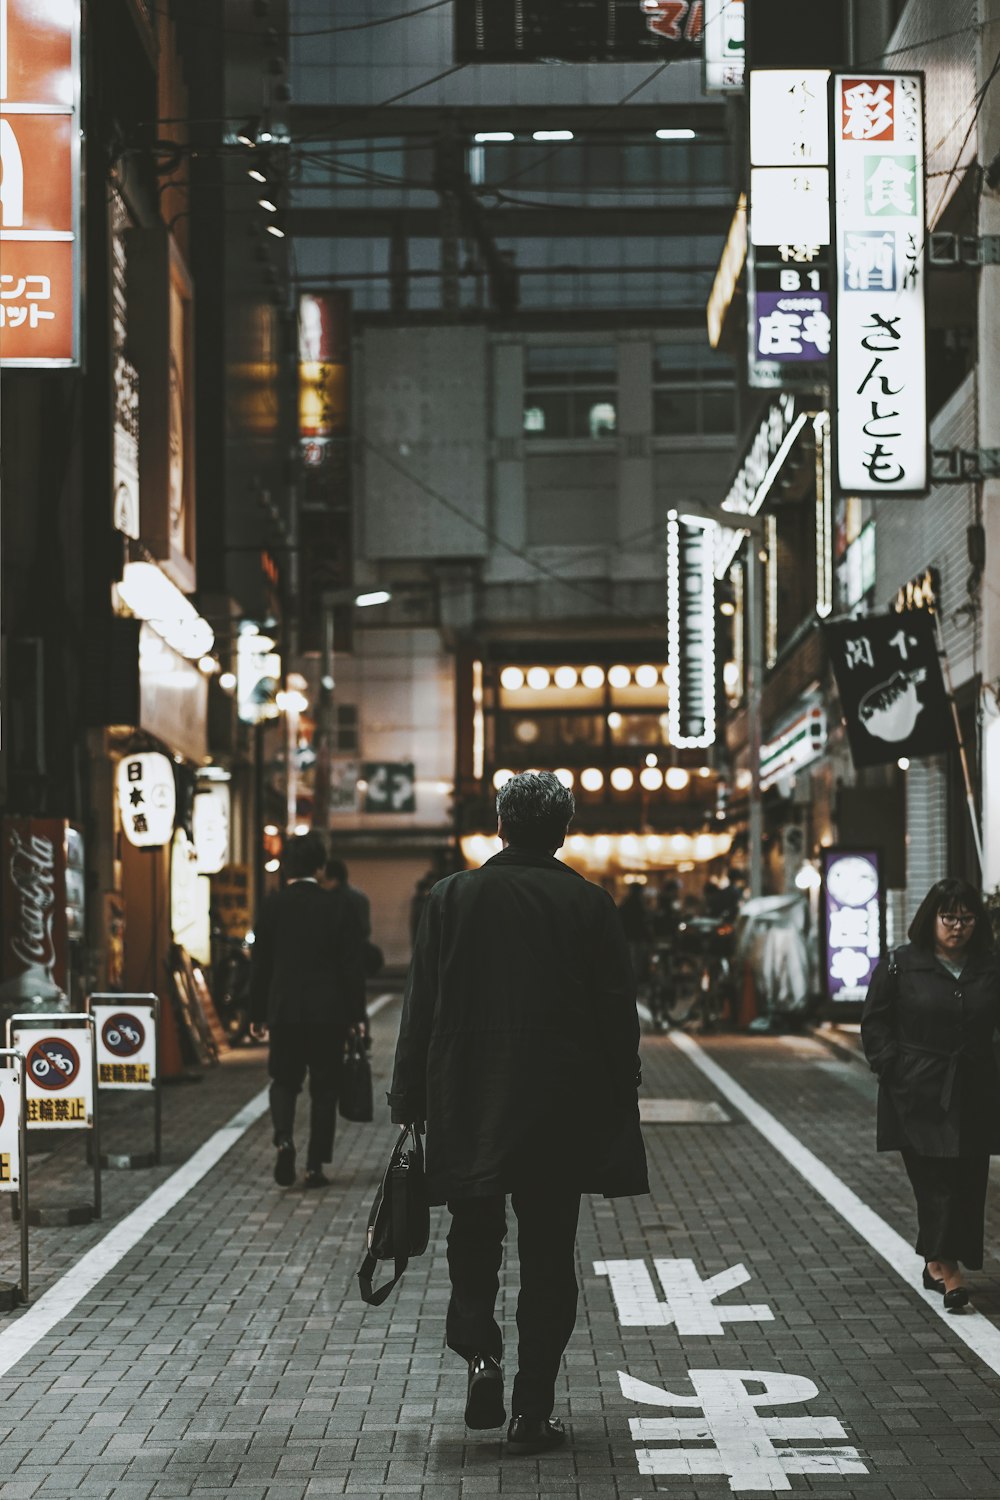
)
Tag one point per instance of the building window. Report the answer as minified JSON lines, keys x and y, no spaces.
{"x":571,"y":392}
{"x":692,"y":391}
{"x":345,"y":727}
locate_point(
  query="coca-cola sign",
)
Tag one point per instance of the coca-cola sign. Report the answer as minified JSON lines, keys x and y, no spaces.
{"x":34,"y":908}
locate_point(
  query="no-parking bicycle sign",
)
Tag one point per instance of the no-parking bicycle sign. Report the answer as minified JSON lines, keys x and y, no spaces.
{"x":125,"y":1030}
{"x":10,"y":1124}
{"x":58,"y":1069}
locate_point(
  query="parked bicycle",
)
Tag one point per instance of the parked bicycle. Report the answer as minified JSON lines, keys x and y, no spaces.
{"x":693,"y":979}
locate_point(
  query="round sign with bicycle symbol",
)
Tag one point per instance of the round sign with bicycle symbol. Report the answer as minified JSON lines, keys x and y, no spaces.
{"x":123,"y":1034}
{"x":53,"y":1063}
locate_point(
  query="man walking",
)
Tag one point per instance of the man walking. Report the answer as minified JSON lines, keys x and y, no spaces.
{"x":518,"y":1046}
{"x":307,"y":989}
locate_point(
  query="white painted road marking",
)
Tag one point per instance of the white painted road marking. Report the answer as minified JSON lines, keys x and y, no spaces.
{"x":689,"y":1299}
{"x":382,"y":1001}
{"x":744,"y":1441}
{"x":61,"y":1298}
{"x":981,"y":1336}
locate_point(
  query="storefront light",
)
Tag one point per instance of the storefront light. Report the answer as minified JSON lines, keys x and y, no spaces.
{"x":704,"y":771}
{"x":208,"y":665}
{"x":592,"y":677}
{"x":227,"y":682}
{"x":273,"y":866}
{"x":512,"y":678}
{"x":808,"y":878}
{"x":291,"y":701}
{"x":501,"y":778}
{"x":652,"y":759}
{"x":151,"y":596}
{"x":592,"y":779}
{"x":538,"y":678}
{"x":271,"y":830}
{"x":565,"y":776}
{"x":622,"y":779}
{"x":646,"y":677}
{"x":677,"y":778}
{"x":619,"y":677}
{"x":651,"y":778}
{"x":565,"y":677}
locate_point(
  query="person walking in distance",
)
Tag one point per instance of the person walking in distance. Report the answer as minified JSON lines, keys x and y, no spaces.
{"x":927,"y":1030}
{"x":518,"y":1046}
{"x":307,"y":990}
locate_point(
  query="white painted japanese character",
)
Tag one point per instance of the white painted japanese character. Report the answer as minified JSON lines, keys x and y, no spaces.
{"x":18,"y":290}
{"x":849,"y":927}
{"x":871,"y":262}
{"x":816,"y":330}
{"x":858,"y":652}
{"x":867,"y":111}
{"x":43,"y":288}
{"x":780,"y":333}
{"x":743,"y":1441}
{"x":890,"y":185}
{"x":689,"y":1303}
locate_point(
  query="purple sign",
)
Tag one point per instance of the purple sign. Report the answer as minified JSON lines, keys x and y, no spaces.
{"x":793,"y":325}
{"x":852,"y":921}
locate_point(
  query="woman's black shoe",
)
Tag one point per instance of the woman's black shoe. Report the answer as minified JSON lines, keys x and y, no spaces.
{"x":931,"y":1283}
{"x":957,"y":1298}
{"x":535,"y":1434}
{"x":484,"y":1404}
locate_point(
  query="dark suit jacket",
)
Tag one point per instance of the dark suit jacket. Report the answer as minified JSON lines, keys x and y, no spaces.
{"x":306,"y":961}
{"x":519,"y":1038}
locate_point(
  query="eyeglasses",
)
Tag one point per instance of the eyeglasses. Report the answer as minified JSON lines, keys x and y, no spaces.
{"x":956,"y":919}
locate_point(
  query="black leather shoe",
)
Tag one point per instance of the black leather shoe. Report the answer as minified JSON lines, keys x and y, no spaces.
{"x":931,"y":1283}
{"x":315,"y":1178}
{"x":535,"y":1434}
{"x":484,"y":1404}
{"x":956,"y":1299}
{"x":284,"y":1164}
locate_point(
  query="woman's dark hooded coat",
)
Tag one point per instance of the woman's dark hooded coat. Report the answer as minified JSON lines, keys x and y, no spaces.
{"x":519,"y":1038}
{"x":929,"y":1037}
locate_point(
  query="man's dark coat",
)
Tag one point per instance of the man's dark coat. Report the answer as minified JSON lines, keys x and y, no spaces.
{"x":519,"y":1037}
{"x":929,"y":1037}
{"x":306,"y":963}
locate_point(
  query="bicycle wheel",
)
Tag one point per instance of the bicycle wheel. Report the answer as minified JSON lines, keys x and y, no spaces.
{"x":716,"y":995}
{"x":684,"y":993}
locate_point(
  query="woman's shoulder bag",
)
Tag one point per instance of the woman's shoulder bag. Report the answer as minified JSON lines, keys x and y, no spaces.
{"x":399,"y":1223}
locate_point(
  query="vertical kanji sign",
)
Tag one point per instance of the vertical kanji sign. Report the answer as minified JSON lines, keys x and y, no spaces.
{"x":39,"y":182}
{"x":880,"y":429}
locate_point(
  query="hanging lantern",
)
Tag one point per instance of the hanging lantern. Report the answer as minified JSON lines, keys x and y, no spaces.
{"x":147,"y":798}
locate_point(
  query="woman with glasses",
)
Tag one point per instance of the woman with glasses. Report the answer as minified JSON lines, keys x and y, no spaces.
{"x":927,"y":1030}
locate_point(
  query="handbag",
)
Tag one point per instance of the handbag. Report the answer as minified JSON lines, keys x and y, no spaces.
{"x":399,"y":1224}
{"x":356,"y":1099}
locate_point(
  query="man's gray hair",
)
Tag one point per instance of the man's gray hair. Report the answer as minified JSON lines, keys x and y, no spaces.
{"x":535,"y":809}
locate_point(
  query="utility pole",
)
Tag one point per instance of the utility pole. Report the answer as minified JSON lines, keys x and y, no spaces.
{"x":755,"y":684}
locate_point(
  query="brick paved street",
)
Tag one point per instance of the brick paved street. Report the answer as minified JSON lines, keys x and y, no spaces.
{"x":228,"y":1352}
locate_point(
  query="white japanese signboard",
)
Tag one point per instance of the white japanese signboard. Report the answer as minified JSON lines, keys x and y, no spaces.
{"x":10,"y":1121}
{"x":725,"y":47}
{"x":789,"y":293}
{"x":60,"y":1076}
{"x":691,"y":630}
{"x":147,"y":798}
{"x":125,"y":1035}
{"x":880,"y":430}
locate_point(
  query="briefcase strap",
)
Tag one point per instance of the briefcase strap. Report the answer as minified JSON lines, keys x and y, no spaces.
{"x":371,"y":1294}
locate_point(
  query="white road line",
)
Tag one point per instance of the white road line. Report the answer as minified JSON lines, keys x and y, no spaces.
{"x":61,"y":1298}
{"x":381,"y":1001}
{"x":982,"y":1336}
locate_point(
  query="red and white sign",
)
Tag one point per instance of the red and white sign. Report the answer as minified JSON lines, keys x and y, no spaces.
{"x":125,"y":1030}
{"x":39,"y":182}
{"x":10,"y":1123}
{"x":58,"y":1068}
{"x":35,"y":947}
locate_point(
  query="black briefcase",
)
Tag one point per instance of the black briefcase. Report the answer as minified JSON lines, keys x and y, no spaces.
{"x":399,"y":1224}
{"x":356,"y":1100}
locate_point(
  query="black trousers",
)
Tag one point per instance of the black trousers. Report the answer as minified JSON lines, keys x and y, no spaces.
{"x":951,"y":1205}
{"x":298,"y":1049}
{"x":546,"y":1303}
